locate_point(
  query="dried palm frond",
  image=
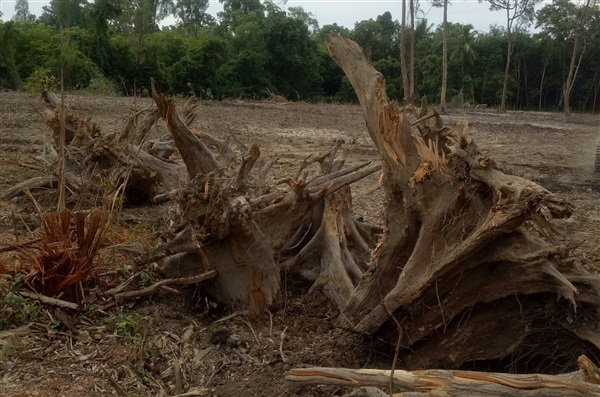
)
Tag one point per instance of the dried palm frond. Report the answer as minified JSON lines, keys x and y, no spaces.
{"x":67,"y":251}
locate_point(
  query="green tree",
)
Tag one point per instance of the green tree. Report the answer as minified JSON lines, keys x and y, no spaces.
{"x":141,"y":17}
{"x":71,"y":59}
{"x":102,"y":13}
{"x":308,"y":18}
{"x":35,"y":44}
{"x":22,"y":12}
{"x":9,"y":77}
{"x":332,"y":29}
{"x":245,"y":73}
{"x":195,"y":71}
{"x":64,"y":14}
{"x":335,"y":85}
{"x":245,"y":6}
{"x":293,"y":61}
{"x":233,"y":9}
{"x":488,"y":77}
{"x":377,"y":37}
{"x":567,"y":22}
{"x":463,"y":47}
{"x":368,"y":34}
{"x":192,"y":14}
{"x":517,"y":12}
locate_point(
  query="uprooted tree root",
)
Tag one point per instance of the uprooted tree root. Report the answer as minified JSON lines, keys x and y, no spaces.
{"x":469,"y":263}
{"x":249,"y":222}
{"x":99,"y":163}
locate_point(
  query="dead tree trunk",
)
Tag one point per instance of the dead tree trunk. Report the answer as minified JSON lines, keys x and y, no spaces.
{"x":468,"y":263}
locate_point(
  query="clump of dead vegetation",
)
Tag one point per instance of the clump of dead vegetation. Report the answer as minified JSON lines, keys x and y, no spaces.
{"x":68,"y":252}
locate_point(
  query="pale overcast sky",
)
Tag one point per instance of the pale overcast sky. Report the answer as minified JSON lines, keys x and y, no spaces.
{"x":347,"y":12}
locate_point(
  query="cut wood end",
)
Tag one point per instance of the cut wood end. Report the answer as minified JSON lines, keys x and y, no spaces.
{"x":589,"y":369}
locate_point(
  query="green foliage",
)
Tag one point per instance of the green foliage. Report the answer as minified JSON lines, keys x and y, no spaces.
{"x":9,"y":77}
{"x":196,"y":71}
{"x":101,"y":85}
{"x":260,"y":47}
{"x":36,"y":44}
{"x":244,"y":74}
{"x":76,"y":67}
{"x":14,"y":309}
{"x":293,"y":62}
{"x":64,"y":14}
{"x":130,"y":326}
{"x":22,"y":12}
{"x":192,"y":15}
{"x":41,"y":79}
{"x":126,"y":324}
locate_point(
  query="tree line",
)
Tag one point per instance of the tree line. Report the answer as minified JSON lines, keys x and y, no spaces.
{"x":254,"y":49}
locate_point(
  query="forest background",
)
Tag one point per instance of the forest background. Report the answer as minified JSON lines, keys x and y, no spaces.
{"x":254,"y":49}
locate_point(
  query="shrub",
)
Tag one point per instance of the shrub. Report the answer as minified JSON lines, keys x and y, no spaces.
{"x":101,"y":85}
{"x":41,"y":79}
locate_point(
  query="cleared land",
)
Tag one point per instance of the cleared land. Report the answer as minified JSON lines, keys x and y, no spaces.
{"x":139,"y":344}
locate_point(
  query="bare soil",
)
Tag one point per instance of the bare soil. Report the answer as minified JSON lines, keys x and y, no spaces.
{"x":171,"y":343}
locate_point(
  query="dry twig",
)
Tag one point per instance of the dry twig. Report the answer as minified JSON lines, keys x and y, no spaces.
{"x":48,"y":300}
{"x":281,"y":345}
{"x":171,"y":281}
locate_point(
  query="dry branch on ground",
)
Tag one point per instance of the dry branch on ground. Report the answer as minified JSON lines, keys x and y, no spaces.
{"x":455,"y":383}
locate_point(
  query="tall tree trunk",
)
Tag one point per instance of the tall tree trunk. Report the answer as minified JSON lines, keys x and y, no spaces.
{"x":518,"y":77}
{"x":591,"y":90}
{"x":412,"y":51}
{"x":444,"y":57}
{"x":568,"y":86}
{"x":586,"y":13}
{"x":546,"y":62}
{"x":525,"y":80}
{"x":597,"y":91}
{"x":508,"y":59}
{"x":405,"y":83}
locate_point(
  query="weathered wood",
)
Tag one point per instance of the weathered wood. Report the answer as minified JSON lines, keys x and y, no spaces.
{"x":447,"y":383}
{"x":458,"y":246}
{"x":196,"y":155}
{"x":246,"y":225}
{"x":93,"y":157}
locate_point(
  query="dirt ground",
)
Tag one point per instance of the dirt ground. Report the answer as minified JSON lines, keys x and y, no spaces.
{"x":169,"y":343}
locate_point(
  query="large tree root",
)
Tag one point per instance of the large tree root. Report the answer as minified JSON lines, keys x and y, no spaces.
{"x":469,"y":262}
{"x":241,"y":224}
{"x":118,"y":162}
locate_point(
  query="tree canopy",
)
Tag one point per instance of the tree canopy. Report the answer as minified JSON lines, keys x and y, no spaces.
{"x":254,"y":49}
